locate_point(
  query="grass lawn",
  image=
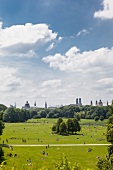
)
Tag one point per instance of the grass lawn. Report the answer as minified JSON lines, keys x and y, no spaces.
{"x":74,"y":154}
{"x":40,"y":133}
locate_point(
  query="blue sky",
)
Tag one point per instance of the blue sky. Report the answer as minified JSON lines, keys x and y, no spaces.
{"x":56,"y":51}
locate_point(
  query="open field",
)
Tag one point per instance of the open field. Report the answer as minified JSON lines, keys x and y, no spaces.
{"x":74,"y":154}
{"x":40,"y":134}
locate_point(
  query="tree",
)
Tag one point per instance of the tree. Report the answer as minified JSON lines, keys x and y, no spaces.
{"x":109,"y":134}
{"x":101,"y":118}
{"x":10,"y":115}
{"x":110,"y":120}
{"x":2,"y":126}
{"x":42,"y":113}
{"x":59,"y":121}
{"x":62,"y":128}
{"x":96,"y":118}
{"x":70,"y":126}
{"x":2,"y":107}
{"x":54,"y":128}
{"x":77,"y":116}
{"x":76,"y":124}
{"x":111,"y":108}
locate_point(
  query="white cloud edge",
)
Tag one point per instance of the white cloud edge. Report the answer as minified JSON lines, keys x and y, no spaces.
{"x":23,"y":40}
{"x":86,"y":61}
{"x":107,"y":12}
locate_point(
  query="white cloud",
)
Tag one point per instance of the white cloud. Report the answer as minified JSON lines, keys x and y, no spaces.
{"x":82,"y":32}
{"x":107,"y":12}
{"x":60,"y":38}
{"x":8,"y":80}
{"x":50,"y":47}
{"x":72,"y":52}
{"x":106,"y":83}
{"x":52,"y":83}
{"x":22,"y":40}
{"x":74,"y":60}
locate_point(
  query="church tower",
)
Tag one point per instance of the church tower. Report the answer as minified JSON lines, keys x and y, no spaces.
{"x":35,"y":103}
{"x":45,"y":105}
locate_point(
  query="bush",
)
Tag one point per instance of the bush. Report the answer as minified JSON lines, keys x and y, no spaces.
{"x":65,"y":165}
{"x":1,"y":154}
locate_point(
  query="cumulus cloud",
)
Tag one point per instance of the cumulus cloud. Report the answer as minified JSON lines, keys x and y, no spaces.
{"x":22,"y":40}
{"x":86,"y":61}
{"x":107,"y":12}
{"x":52,"y":83}
{"x":72,"y":52}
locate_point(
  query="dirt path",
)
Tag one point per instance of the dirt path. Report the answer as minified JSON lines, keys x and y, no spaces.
{"x":59,"y":145}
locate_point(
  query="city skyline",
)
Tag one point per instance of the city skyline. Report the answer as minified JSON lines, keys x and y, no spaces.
{"x":56,"y":51}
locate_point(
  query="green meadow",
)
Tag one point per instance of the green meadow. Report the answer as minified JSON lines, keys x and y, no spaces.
{"x":38,"y":132}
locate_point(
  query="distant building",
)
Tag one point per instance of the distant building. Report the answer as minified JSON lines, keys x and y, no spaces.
{"x":35,"y":104}
{"x":78,"y":102}
{"x":26,"y":106}
{"x":91,"y":103}
{"x":13,"y":106}
{"x":45,"y":105}
{"x":99,"y":103}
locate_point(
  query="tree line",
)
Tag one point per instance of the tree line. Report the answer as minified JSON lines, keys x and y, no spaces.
{"x":12,"y":114}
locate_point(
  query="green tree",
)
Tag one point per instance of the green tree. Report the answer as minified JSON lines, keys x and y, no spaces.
{"x":54,"y":128}
{"x":70,"y":126}
{"x":42,"y":113}
{"x":10,"y":115}
{"x":2,"y":126}
{"x":101,"y":118}
{"x":77,"y":126}
{"x":110,"y":120}
{"x":62,"y":128}
{"x":111,"y":108}
{"x":77,"y":116}
{"x":59,"y":121}
{"x":2,"y":107}
{"x":96,"y":118}
{"x":109,"y":134}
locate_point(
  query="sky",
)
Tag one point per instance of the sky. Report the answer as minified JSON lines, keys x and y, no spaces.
{"x":56,"y":51}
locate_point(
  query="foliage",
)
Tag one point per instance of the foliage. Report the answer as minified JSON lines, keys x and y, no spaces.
{"x":96,"y":118}
{"x":71,"y":111}
{"x":109,"y":133}
{"x":62,"y":128}
{"x":77,"y":126}
{"x":101,"y":118}
{"x":104,"y":164}
{"x":71,"y":125}
{"x":1,"y":154}
{"x":59,"y":121}
{"x":65,"y":165}
{"x":2,"y":126}
{"x":2,"y":107}
{"x":110,"y":120}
